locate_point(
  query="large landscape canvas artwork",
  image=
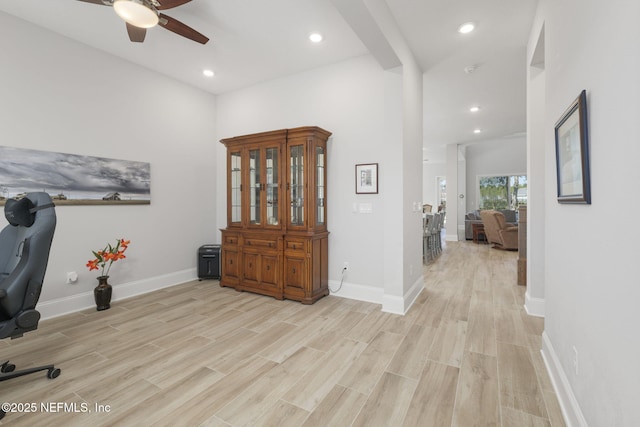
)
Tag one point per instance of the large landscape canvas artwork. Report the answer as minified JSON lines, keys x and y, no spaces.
{"x":73,"y":179}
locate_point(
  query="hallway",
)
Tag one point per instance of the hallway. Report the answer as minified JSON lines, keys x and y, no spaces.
{"x":475,"y":308}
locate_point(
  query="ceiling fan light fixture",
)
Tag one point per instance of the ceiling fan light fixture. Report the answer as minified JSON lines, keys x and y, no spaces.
{"x":136,"y":13}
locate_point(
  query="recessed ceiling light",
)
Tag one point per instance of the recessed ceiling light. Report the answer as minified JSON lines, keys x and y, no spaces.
{"x":208,"y":73}
{"x":470,"y":69}
{"x":315,"y":37}
{"x":466,"y":27}
{"x":474,"y":109}
{"x":477,"y":131}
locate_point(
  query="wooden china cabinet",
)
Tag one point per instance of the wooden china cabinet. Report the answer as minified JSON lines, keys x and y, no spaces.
{"x":276,"y":240}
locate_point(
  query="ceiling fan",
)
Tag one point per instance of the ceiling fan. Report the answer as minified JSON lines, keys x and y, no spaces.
{"x":142,"y":14}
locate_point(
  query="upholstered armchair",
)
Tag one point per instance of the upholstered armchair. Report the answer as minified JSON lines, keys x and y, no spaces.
{"x":498,"y":232}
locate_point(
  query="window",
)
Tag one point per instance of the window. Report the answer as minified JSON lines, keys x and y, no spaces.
{"x":502,"y":191}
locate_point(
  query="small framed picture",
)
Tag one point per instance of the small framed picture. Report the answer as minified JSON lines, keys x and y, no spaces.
{"x":572,"y":153}
{"x":367,"y":178}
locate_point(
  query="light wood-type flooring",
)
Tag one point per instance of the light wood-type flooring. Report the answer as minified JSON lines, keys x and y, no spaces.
{"x":466,"y":354}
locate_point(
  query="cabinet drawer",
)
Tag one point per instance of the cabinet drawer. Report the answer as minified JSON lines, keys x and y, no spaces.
{"x":294,"y":245}
{"x":230,"y":239}
{"x":261,"y":242}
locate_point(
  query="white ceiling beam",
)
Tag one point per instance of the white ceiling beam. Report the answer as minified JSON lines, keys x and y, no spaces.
{"x":357,"y":14}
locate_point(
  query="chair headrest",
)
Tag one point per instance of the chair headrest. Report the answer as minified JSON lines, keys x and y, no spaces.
{"x":20,"y":212}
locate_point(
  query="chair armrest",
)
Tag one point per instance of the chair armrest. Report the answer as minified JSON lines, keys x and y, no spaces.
{"x":509,"y":237}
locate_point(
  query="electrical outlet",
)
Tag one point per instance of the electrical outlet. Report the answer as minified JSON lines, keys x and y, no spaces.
{"x":575,"y":359}
{"x":345,"y":266}
{"x":72,"y":277}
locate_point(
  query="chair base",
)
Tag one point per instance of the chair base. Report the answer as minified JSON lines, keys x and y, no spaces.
{"x":7,"y":371}
{"x":502,"y":248}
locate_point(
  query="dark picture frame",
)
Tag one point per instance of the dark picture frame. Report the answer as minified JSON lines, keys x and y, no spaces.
{"x":367,"y":178}
{"x":572,"y":153}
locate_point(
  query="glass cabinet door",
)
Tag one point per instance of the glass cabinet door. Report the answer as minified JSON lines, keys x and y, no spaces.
{"x":272,"y":179}
{"x":296,"y":185}
{"x":320,"y":186}
{"x":235,"y":160}
{"x":254,"y":187}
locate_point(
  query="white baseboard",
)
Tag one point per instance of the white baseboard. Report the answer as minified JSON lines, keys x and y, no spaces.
{"x":533,"y":306}
{"x":400,"y":305}
{"x":357,"y":292}
{"x":390,"y":303}
{"x":82,"y":301}
{"x":568,"y":403}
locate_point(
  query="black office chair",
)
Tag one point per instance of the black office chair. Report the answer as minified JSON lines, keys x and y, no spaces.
{"x":24,"y":252}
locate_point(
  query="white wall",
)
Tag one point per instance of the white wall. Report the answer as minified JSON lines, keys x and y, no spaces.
{"x":493,"y":157}
{"x":59,"y":95}
{"x":591,"y":276}
{"x":352,"y":99}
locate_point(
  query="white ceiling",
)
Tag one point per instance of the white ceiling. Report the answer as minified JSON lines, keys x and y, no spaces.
{"x":258,"y":40}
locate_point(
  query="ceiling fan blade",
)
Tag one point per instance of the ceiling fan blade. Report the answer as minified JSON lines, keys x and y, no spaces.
{"x":136,"y":34}
{"x":168,"y":4}
{"x":100,"y":2}
{"x":179,"y":28}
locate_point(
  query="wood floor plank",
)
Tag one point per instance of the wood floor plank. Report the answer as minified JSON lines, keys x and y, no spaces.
{"x":324,"y":340}
{"x":369,"y":327}
{"x":215,"y":396}
{"x":513,"y":417}
{"x":481,"y":336}
{"x":509,"y":326}
{"x":252,"y":346}
{"x":411,"y":357}
{"x":315,"y":385}
{"x":339,"y":408}
{"x":290,"y":342}
{"x":166,"y":403}
{"x":432,"y":403}
{"x":519,"y":387}
{"x":448,"y":345}
{"x":388,"y":403}
{"x":477,"y":401}
{"x":458,"y":307}
{"x":282,"y":414}
{"x":365,"y":371}
{"x":263,"y":393}
{"x":432,"y":310}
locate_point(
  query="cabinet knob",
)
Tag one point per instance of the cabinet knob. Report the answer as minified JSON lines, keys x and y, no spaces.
{"x":268,"y":267}
{"x":294,"y":271}
{"x":250,"y":265}
{"x":230,"y":262}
